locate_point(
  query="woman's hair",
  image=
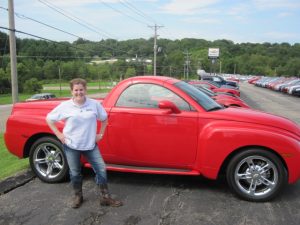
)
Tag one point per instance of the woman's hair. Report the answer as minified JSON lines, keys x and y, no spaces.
{"x":77,"y":81}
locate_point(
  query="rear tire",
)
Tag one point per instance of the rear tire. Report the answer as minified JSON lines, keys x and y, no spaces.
{"x":48,"y":161}
{"x":256,"y":175}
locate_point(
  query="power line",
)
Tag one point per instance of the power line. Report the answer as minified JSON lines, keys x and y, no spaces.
{"x":119,"y":11}
{"x":59,"y":10}
{"x":66,"y":32}
{"x":135,"y":10}
{"x":21,"y":16}
{"x":45,"y":39}
{"x":78,"y":20}
{"x":47,"y":56}
{"x":75,"y":19}
{"x":58,"y":29}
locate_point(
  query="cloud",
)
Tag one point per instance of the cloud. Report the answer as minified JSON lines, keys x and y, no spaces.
{"x":280,"y":35}
{"x":186,"y":7}
{"x":285,"y":14}
{"x":201,"y":20}
{"x":72,"y":3}
{"x":282,"y":4}
{"x":240,"y":9}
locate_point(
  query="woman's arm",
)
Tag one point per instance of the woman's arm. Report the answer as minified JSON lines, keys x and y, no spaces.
{"x":102,"y":130}
{"x":57,"y":133}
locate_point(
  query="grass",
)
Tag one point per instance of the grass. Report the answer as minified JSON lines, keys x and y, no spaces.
{"x":10,"y":164}
{"x":90,"y":84}
{"x":6,"y":98}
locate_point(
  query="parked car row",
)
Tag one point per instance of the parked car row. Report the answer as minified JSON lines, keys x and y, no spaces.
{"x":221,"y":80}
{"x":215,"y":87}
{"x":225,"y":99}
{"x":288,"y":85}
{"x":228,"y":97}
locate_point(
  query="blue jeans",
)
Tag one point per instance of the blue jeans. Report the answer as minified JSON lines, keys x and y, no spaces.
{"x":93,"y":157}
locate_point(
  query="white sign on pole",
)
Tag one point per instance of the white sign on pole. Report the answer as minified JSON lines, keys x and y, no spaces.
{"x":213,"y":53}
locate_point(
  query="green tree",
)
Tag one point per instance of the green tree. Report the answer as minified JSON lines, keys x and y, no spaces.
{"x":51,"y":70}
{"x":130,"y":72}
{"x":32,"y":86}
{"x":5,"y":85}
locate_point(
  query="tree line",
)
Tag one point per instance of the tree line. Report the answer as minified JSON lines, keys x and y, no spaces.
{"x":45,"y":61}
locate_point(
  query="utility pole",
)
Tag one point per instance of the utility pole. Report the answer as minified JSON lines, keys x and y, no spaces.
{"x":234,"y":68}
{"x":12,"y":48}
{"x":187,"y":63}
{"x":155,"y":47}
{"x":59,"y":76}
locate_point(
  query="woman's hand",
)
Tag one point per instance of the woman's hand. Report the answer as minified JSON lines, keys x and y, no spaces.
{"x":57,"y":133}
{"x":99,"y":137}
{"x":61,"y":137}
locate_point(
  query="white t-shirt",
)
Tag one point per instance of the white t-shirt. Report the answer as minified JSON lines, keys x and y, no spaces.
{"x":80,"y":122}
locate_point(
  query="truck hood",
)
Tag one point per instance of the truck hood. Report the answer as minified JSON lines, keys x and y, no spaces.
{"x":257,"y":117}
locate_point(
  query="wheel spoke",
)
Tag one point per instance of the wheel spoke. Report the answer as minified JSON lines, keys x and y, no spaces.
{"x":57,"y":155}
{"x":243,"y":176}
{"x":250,"y":163}
{"x":267,"y":182}
{"x":265,"y":168}
{"x":40,"y":161}
{"x":252,"y":187}
{"x":49,"y":169}
{"x":57,"y":165}
{"x":45,"y":150}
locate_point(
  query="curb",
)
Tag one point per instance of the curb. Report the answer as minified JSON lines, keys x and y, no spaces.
{"x":13,"y":182}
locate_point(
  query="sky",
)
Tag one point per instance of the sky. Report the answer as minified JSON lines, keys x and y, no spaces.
{"x":254,"y":21}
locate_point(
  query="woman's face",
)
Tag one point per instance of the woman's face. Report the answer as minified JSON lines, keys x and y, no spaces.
{"x":78,"y":92}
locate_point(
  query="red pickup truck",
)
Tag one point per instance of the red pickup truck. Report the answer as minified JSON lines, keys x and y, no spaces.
{"x":162,"y":125}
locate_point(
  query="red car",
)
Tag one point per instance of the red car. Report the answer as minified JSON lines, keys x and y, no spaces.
{"x":223,"y":98}
{"x":216,"y":88}
{"x":162,"y":125}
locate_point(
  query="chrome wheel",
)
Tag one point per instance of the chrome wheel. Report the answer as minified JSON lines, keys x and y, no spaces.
{"x":48,"y":161}
{"x":256,"y":175}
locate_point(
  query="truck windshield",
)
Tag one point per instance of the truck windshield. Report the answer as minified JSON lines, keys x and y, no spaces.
{"x":202,"y":99}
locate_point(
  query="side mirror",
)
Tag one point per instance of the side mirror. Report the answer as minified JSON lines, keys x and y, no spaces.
{"x":169,"y":105}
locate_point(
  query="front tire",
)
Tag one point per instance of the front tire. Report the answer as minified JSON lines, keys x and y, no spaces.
{"x":48,"y":161}
{"x":256,"y":175}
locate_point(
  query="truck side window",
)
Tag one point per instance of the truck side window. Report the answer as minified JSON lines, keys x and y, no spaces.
{"x":148,"y":96}
{"x":136,"y":96}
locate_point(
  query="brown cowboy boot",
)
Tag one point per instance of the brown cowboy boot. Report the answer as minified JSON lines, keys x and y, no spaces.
{"x":106,"y":199}
{"x":77,"y":199}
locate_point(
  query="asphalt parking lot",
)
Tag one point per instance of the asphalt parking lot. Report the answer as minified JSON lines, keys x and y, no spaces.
{"x":159,"y":199}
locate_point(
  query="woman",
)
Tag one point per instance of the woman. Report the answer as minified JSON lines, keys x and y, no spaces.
{"x":80,"y":137}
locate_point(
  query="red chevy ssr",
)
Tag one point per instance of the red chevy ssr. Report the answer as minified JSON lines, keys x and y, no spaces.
{"x":163,"y":125}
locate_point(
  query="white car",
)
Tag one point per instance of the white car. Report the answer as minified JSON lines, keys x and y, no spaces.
{"x":41,"y":96}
